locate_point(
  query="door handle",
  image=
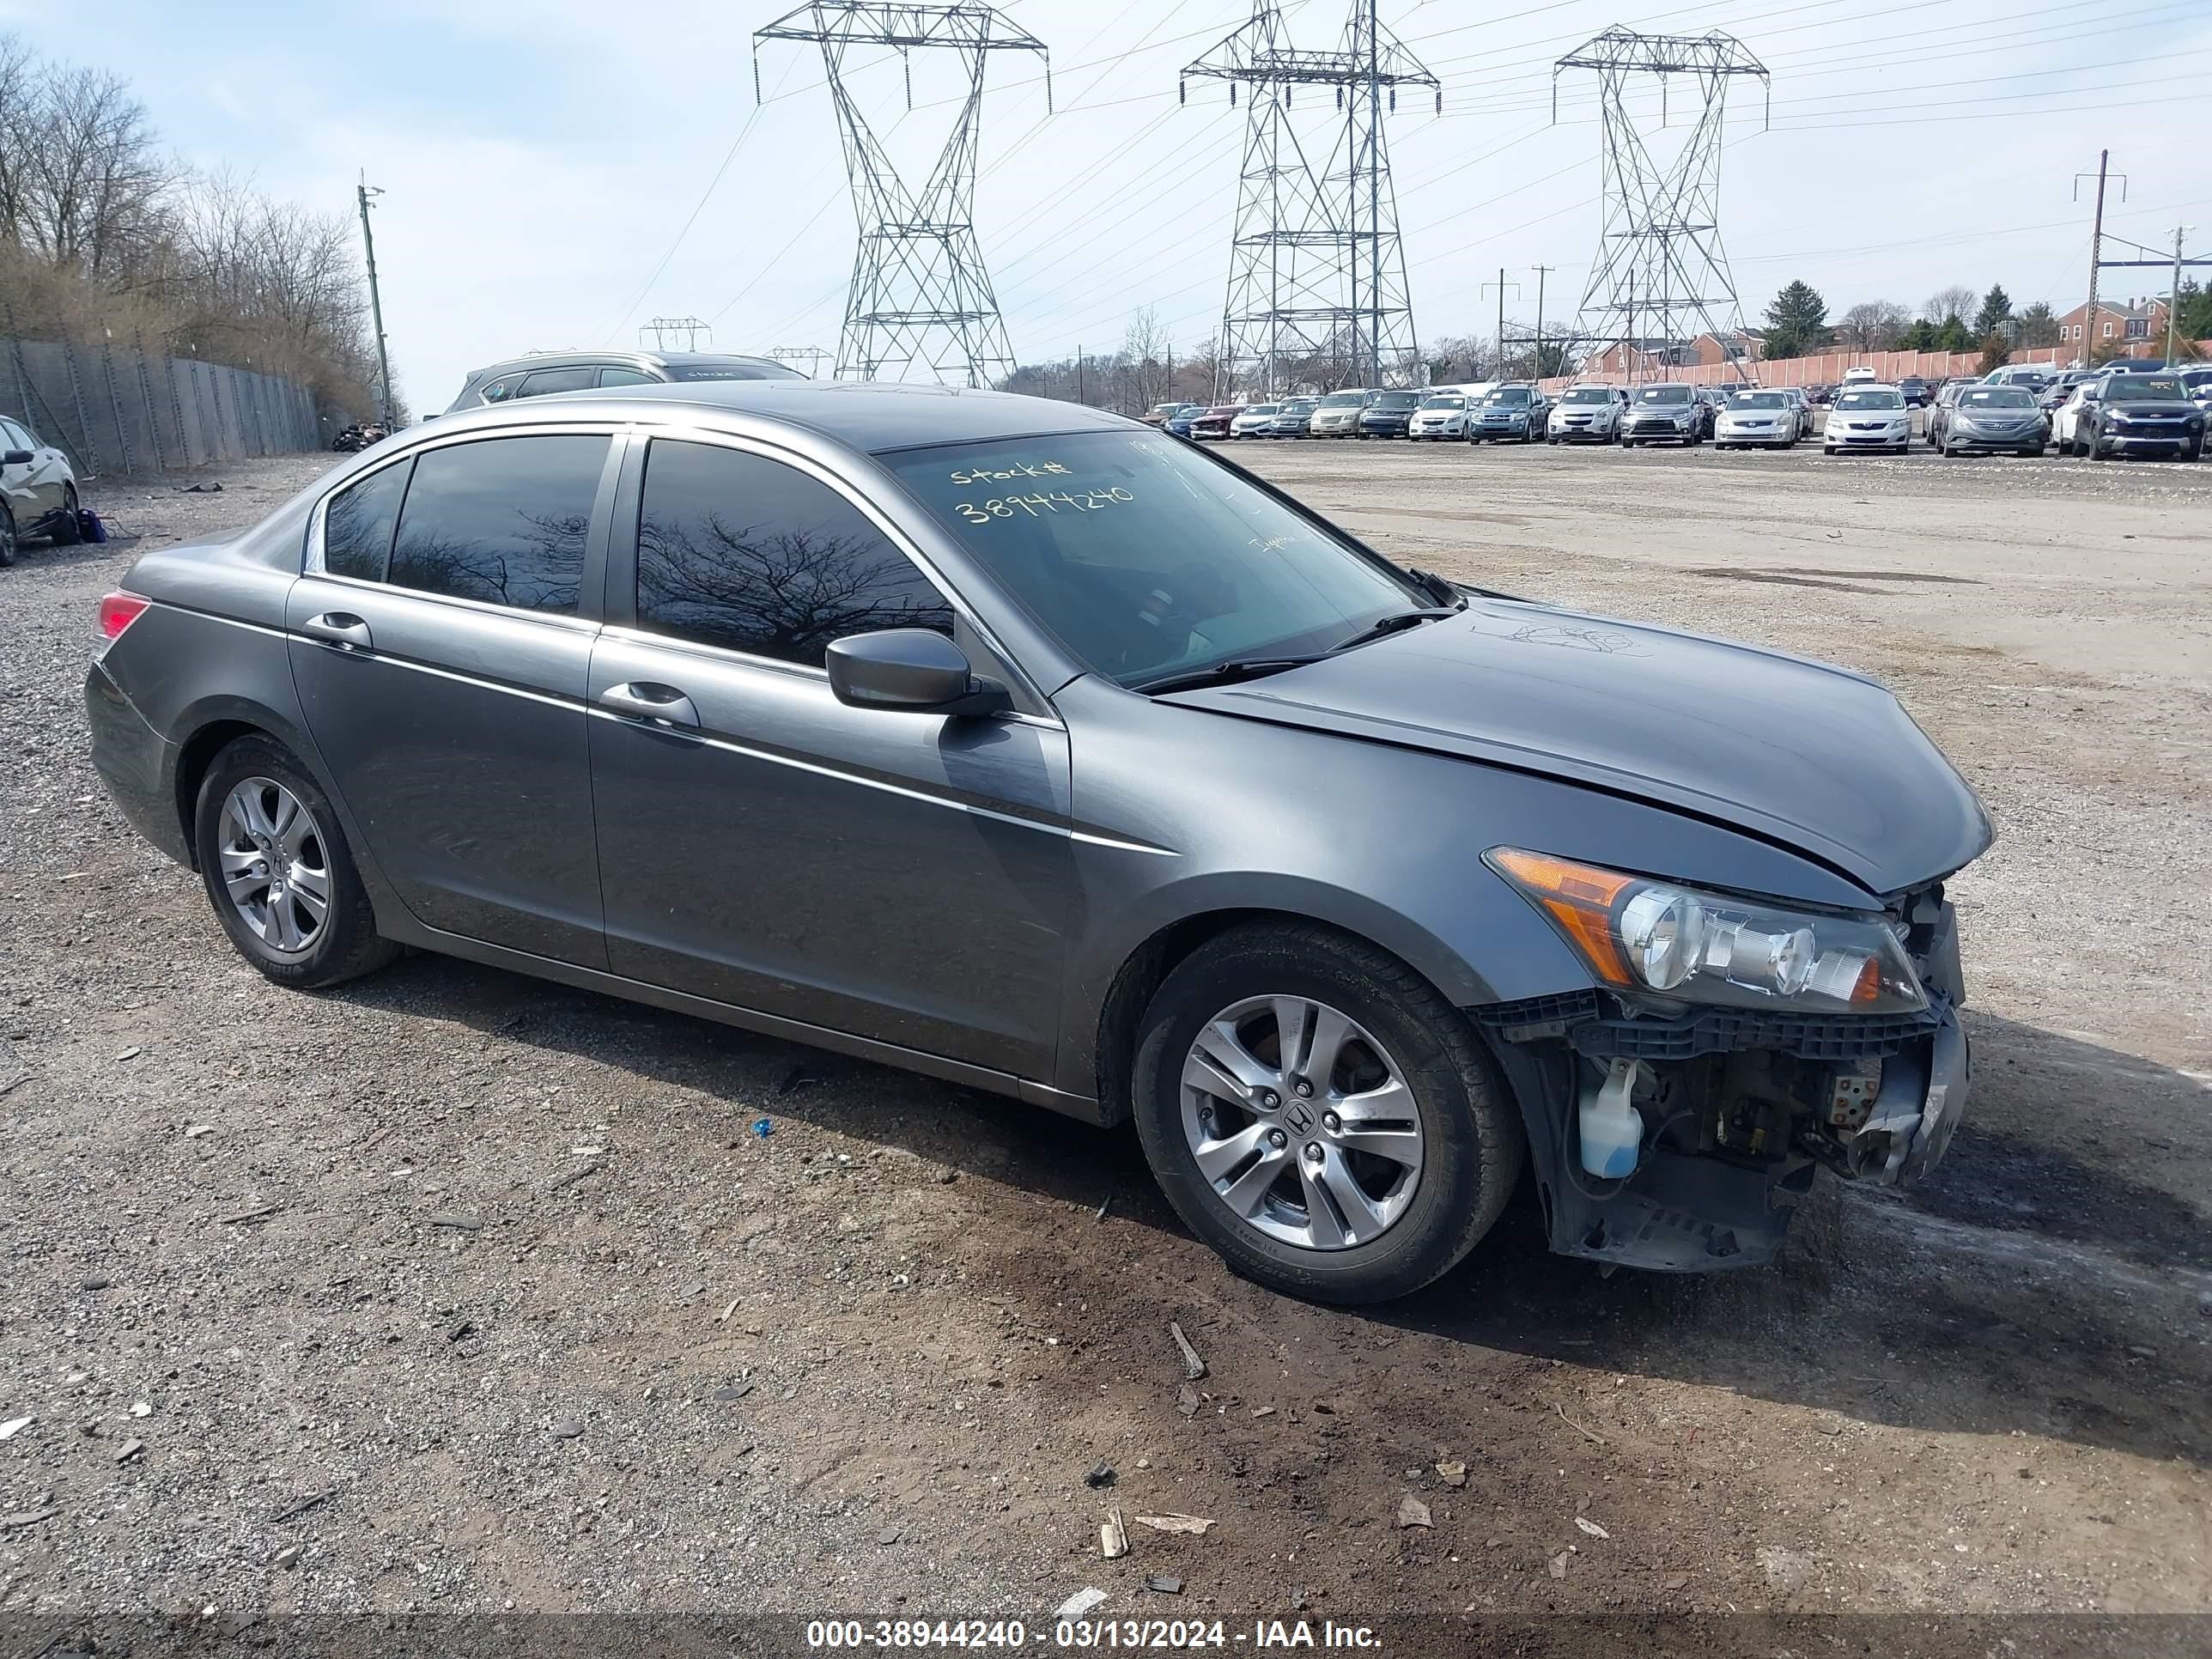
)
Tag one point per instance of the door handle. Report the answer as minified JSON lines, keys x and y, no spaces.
{"x":647,"y":701}
{"x":338,"y":628}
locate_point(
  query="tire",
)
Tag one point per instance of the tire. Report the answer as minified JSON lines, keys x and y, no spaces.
{"x":344,"y":943}
{"x":2193,"y":451}
{"x":1468,"y":1134}
{"x":66,"y":533}
{"x":1827,"y":449}
{"x":2036,"y":453}
{"x":2098,"y":449}
{"x":8,"y":544}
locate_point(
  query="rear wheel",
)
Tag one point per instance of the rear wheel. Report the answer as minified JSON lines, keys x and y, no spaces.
{"x":278,"y":873}
{"x":1320,"y":1116}
{"x":6,"y":537}
{"x":65,"y":532}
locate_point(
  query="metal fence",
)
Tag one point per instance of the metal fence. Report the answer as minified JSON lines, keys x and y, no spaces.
{"x":118,"y":410}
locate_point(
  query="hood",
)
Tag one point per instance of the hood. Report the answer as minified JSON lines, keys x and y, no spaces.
{"x":2167,"y":407}
{"x":1816,"y":758}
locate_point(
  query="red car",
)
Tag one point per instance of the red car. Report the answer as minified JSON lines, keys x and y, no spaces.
{"x":1214,"y":422}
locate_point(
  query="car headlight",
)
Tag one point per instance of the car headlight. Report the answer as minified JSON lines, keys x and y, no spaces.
{"x":1652,"y":936}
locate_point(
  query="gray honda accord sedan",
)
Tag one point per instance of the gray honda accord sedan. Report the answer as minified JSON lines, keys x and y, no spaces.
{"x":1024,"y":746}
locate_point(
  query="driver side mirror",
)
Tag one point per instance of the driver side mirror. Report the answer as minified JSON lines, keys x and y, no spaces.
{"x":17,"y":458}
{"x":910,"y":669}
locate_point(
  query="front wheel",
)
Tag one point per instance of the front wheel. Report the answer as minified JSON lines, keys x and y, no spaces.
{"x":6,"y":537}
{"x":1318,"y":1115}
{"x":278,"y":873}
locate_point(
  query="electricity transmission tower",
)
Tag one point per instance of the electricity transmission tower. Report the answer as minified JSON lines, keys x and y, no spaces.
{"x":675,"y":333}
{"x":812,"y":356}
{"x":920,"y":296}
{"x":1660,"y":276}
{"x":1316,"y":271}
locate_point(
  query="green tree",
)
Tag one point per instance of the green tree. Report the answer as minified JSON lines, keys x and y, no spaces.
{"x":1995,"y":312}
{"x":1920,"y":337}
{"x":2193,"y":317}
{"x":2038,"y":326}
{"x":1797,"y":321}
{"x":1953,"y":335}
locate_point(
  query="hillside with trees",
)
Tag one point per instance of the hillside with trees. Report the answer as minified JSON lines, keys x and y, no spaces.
{"x":104,"y":236}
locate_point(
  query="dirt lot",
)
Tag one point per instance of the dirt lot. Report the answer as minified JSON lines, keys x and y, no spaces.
{"x":456,"y":1292}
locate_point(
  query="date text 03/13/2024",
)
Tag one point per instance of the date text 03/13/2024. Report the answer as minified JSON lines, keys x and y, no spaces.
{"x":1089,"y":1634}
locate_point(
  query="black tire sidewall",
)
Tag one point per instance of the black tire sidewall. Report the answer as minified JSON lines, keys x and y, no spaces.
{"x":66,"y":533}
{"x":1472,"y":1144}
{"x":348,"y":945}
{"x":9,"y":545}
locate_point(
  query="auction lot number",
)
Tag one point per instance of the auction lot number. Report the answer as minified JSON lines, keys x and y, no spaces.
{"x":1116,"y":1633}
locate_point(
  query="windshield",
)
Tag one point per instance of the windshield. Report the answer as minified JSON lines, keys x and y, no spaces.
{"x":733,"y":372}
{"x":1663,"y":394}
{"x":1445,"y":403}
{"x":1264,"y":409}
{"x":1344,"y":400}
{"x":2143,"y":389}
{"x":1588,"y":394}
{"x":1513,"y":395}
{"x":1886,"y":398}
{"x":1996,"y":397}
{"x":1398,"y":400}
{"x":1146,"y":558}
{"x":1759,"y":400}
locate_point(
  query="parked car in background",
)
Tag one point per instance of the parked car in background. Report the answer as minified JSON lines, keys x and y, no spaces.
{"x":547,"y":372}
{"x":1667,"y":412}
{"x":1213,"y":423}
{"x":1178,"y":424}
{"x":1759,"y":419}
{"x":2060,"y":388}
{"x":1507,"y":413}
{"x":38,"y":490}
{"x":1860,"y":375}
{"x":2034,"y":376}
{"x":1442,"y":414}
{"x":2080,"y":402}
{"x":2139,"y":414}
{"x":1868,"y":418}
{"x":1254,"y":419}
{"x":1586,"y":414}
{"x":1388,"y":413}
{"x":2197,"y":382}
{"x":1293,"y":418}
{"x":1818,"y":393}
{"x":1974,"y":416}
{"x":1917,"y":392}
{"x":1803,"y":405}
{"x":1158,"y":413}
{"x":1338,"y":414}
{"x":1008,"y":813}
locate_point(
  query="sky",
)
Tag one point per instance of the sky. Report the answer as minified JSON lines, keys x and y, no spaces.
{"x":541,"y":160}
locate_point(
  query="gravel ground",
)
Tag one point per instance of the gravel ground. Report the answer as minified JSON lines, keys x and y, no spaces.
{"x":456,"y":1292}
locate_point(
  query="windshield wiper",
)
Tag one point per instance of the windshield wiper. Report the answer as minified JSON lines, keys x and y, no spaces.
{"x":1386,"y":625}
{"x":1221,"y":673}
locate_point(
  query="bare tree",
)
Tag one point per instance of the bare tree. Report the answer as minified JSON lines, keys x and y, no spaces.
{"x":1873,"y":324}
{"x":89,"y":176}
{"x":1147,"y":360}
{"x":1957,"y":300}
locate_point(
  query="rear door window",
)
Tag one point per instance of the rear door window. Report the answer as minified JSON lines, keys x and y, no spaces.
{"x":540,"y":381}
{"x":738,"y":551}
{"x":358,"y":525}
{"x":501,"y":521}
{"x":612,"y":376}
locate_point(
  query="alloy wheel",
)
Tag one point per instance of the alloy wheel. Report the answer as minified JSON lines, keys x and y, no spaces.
{"x":275,"y":866}
{"x":1302,"y":1122}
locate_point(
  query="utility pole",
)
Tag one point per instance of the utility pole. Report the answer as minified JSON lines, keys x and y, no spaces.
{"x":1501,"y":285}
{"x":1080,"y":397}
{"x":1374,"y":193}
{"x":2096,"y":249}
{"x":2173,"y":296}
{"x":1541,"y":271}
{"x":375,"y":302}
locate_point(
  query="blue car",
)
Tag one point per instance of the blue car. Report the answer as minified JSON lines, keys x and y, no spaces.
{"x":1178,"y":423}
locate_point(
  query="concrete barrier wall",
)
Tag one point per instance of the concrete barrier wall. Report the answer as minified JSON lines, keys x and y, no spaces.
{"x":116,"y":410}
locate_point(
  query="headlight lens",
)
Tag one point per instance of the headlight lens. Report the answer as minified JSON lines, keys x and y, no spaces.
{"x":1651,"y":936}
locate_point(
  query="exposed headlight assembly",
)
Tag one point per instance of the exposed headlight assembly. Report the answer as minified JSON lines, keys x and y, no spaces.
{"x":1660,"y":938}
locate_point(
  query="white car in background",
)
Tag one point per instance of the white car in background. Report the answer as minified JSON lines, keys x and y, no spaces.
{"x":2067,"y":418}
{"x":1586,"y":414}
{"x":1759,"y":417}
{"x":38,"y":490}
{"x":1253,"y":420}
{"x":1867,"y":417}
{"x":1442,"y":414}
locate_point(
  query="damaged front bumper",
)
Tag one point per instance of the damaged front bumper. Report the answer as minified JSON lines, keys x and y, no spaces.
{"x":1740,"y":1108}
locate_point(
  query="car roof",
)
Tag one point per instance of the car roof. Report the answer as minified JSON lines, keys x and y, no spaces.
{"x":864,"y":415}
{"x":622,"y":354}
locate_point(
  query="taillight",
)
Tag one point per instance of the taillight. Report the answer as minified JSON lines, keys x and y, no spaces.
{"x":118,"y":611}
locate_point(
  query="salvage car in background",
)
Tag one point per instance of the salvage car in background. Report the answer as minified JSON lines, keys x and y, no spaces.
{"x":1253,"y":420}
{"x":1215,"y":422}
{"x":1388,"y":413}
{"x":1442,"y":414}
{"x":546,"y":373}
{"x":1337,"y":416}
{"x":38,"y":490}
{"x":1972,"y":415}
{"x":1512,"y":414}
{"x":1668,"y":411}
{"x":1292,"y":419}
{"x":2140,"y":415}
{"x":1675,"y":935}
{"x":1587,"y":414}
{"x":1867,"y":417}
{"x":1759,"y":420}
